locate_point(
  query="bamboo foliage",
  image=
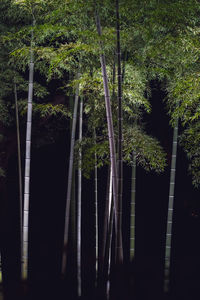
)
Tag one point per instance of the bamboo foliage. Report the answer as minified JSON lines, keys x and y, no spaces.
{"x":170,"y":211}
{"x":79,"y":201}
{"x":70,"y":173}
{"x":27,"y":162}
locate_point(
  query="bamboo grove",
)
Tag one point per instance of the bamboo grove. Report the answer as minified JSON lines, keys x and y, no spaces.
{"x":86,"y":68}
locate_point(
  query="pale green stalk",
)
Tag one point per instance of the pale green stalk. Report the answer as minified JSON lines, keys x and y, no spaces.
{"x":170,"y":212}
{"x":96,"y":209}
{"x":110,"y":232}
{"x":132,"y":216}
{"x":27,"y":164}
{"x":70,"y":172}
{"x":119,"y":253}
{"x":73,"y":206}
{"x":119,"y":249}
{"x":19,"y":166}
{"x":79,"y":201}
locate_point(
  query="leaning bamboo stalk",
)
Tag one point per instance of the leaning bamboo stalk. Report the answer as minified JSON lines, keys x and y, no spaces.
{"x":170,"y":211}
{"x":109,"y":239}
{"x":19,"y":166}
{"x":27,"y":163}
{"x":79,"y":201}
{"x":119,"y":255}
{"x":132,"y":216}
{"x":70,"y":172}
{"x":105,"y":222}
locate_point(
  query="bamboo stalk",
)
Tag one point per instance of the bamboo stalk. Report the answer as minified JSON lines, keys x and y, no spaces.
{"x":109,"y":239}
{"x":70,"y":171}
{"x":119,"y":250}
{"x":170,"y":211}
{"x":19,"y":167}
{"x":79,"y":201}
{"x":27,"y":163}
{"x":132,"y":217}
{"x":106,"y":221}
{"x":119,"y":255}
{"x":73,"y":207}
{"x":96,"y":212}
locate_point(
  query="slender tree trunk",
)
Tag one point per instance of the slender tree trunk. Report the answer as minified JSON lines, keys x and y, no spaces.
{"x":102,"y":274}
{"x":109,"y":240}
{"x":170,"y":211}
{"x":27,"y":163}
{"x":108,"y":246}
{"x":96,"y":213}
{"x":111,"y":143}
{"x":132,"y":217}
{"x":79,"y":201}
{"x":119,"y":251}
{"x":70,"y":172}
{"x":73,"y":206}
{"x":19,"y":167}
{"x":105,"y":223}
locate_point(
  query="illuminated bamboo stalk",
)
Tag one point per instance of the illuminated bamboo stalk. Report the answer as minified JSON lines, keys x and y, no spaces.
{"x":110,"y":234}
{"x":79,"y":200}
{"x":106,"y":221}
{"x":170,"y":211}
{"x":27,"y":163}
{"x":119,"y":253}
{"x":96,"y":210}
{"x":19,"y":167}
{"x":119,"y":250}
{"x":70,"y":173}
{"x":132,"y":216}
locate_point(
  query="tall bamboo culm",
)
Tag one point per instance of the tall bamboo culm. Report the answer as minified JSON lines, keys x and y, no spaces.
{"x":119,"y":250}
{"x":70,"y":173}
{"x":111,"y":141}
{"x":170,"y":212}
{"x":27,"y":163}
{"x":19,"y":166}
{"x":132,"y":216}
{"x":96,"y":212}
{"x":79,"y":201}
{"x":109,"y":238}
